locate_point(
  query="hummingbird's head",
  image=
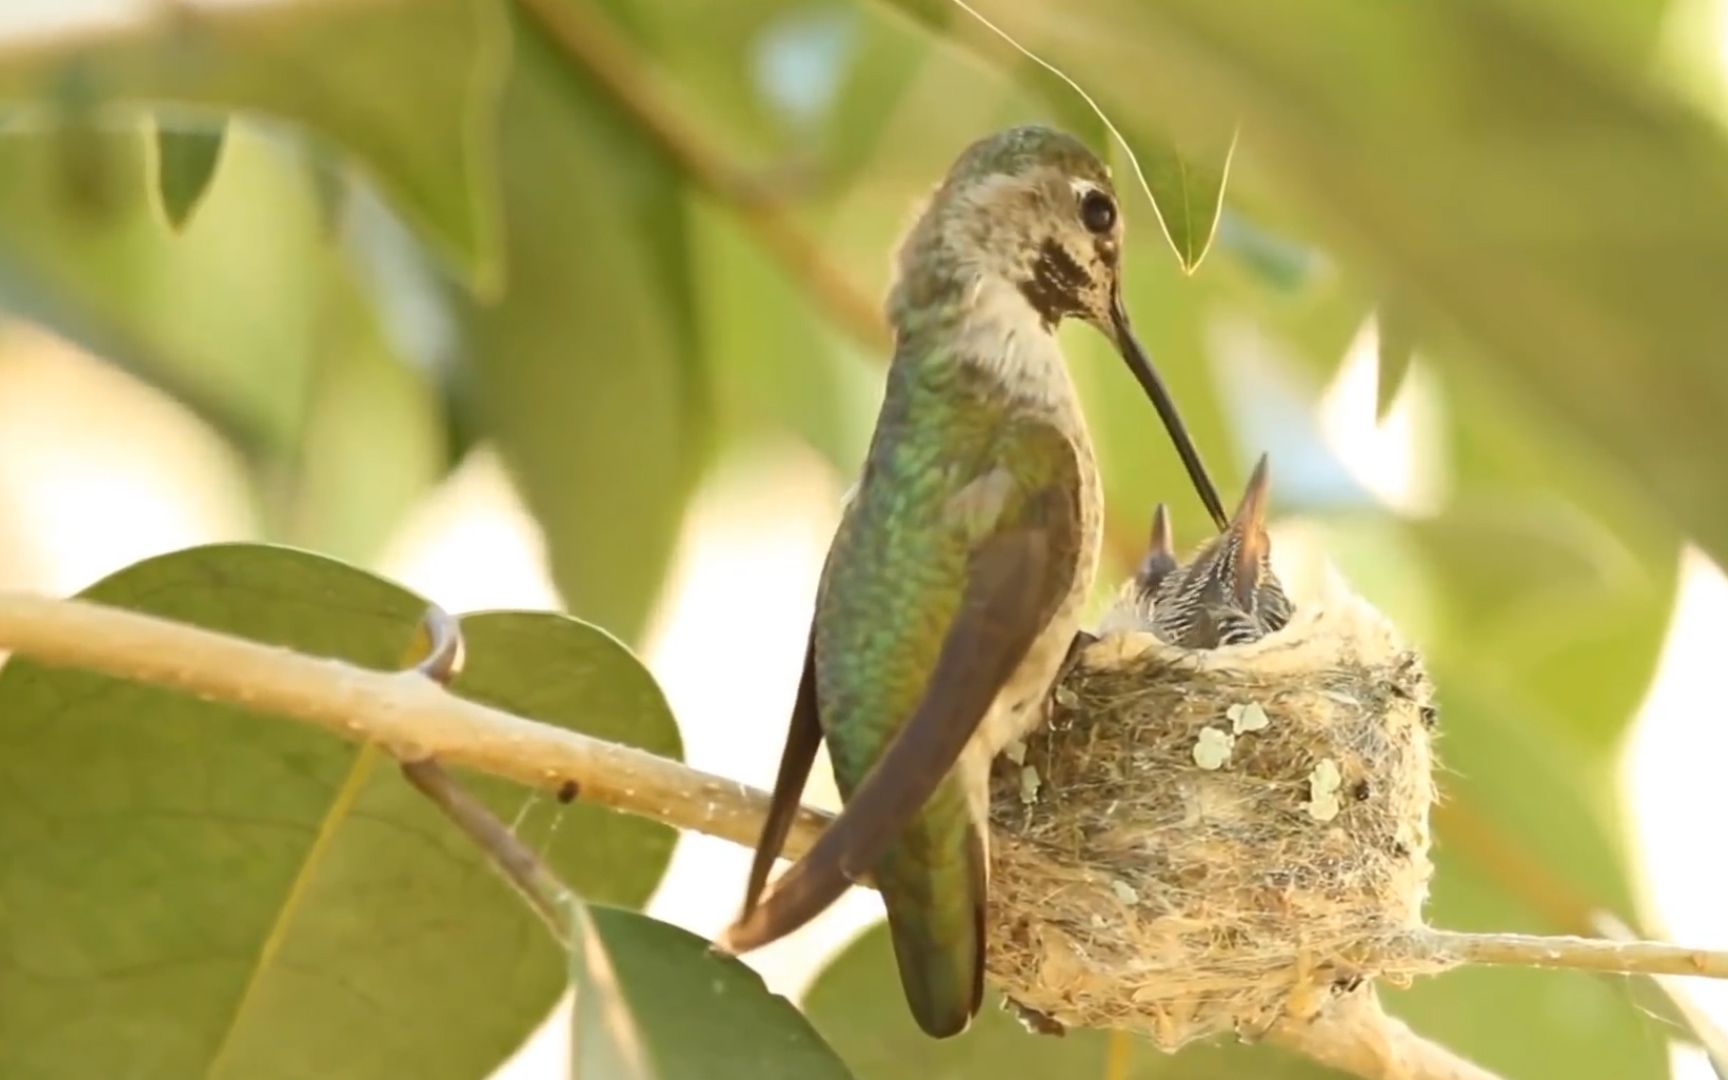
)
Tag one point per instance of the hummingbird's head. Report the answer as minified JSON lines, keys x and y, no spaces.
{"x":1031,"y":208}
{"x":1026,"y":228}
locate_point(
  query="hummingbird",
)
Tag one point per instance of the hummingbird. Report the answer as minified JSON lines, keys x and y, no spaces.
{"x":954,"y":584}
{"x":1228,"y":594}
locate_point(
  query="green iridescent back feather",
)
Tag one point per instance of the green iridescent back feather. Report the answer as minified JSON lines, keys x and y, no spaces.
{"x":894,"y":582}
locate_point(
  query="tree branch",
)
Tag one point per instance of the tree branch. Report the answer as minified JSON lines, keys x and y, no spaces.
{"x":1356,"y":1036}
{"x":416,"y":720}
{"x":403,"y":711}
{"x":591,"y":45}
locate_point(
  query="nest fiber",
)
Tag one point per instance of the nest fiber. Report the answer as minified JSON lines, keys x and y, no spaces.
{"x":1203,"y":842}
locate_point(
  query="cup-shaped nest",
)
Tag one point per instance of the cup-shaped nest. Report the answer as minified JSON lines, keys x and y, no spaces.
{"x":1201,"y":842}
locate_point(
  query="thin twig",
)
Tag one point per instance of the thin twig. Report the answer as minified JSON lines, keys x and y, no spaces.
{"x":539,"y":886}
{"x":440,"y":661}
{"x":1587,"y":954}
{"x":587,"y":41}
{"x":1709,"y":1035}
{"x":416,"y":720}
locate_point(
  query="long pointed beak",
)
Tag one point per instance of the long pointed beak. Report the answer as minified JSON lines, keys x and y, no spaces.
{"x":1160,"y":561}
{"x":1135,"y":357}
{"x":1249,"y":529}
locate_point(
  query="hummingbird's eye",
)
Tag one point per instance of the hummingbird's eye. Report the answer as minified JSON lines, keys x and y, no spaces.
{"x":1097,"y":212}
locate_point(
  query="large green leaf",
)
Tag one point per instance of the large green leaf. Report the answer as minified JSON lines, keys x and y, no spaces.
{"x":247,"y":316}
{"x":561,"y":671}
{"x":372,"y":439}
{"x":1545,"y":606}
{"x":857,"y":1005}
{"x":190,"y":889}
{"x":886,"y":58}
{"x":1560,"y":570}
{"x":781,"y":371}
{"x":222,"y":314}
{"x":409,"y":87}
{"x":654,"y":1003}
{"x":587,"y":368}
{"x":721,"y":70}
{"x":1540,"y":202}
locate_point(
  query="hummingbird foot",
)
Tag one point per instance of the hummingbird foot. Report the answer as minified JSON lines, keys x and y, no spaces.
{"x":1034,"y":1021}
{"x":1083,"y":639}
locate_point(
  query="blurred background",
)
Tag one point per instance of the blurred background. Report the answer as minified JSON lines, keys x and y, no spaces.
{"x":572,"y":304}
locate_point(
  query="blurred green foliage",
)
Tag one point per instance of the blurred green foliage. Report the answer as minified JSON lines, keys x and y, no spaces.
{"x":619,"y":239}
{"x":209,"y":895}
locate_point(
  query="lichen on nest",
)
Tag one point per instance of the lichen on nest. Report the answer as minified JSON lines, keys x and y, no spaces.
{"x":1203,"y":842}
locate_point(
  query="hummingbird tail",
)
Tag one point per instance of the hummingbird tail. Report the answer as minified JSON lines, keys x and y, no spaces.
{"x":935,"y":897}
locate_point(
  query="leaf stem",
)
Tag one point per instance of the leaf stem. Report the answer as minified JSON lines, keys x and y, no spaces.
{"x":440,"y":661}
{"x":539,"y":886}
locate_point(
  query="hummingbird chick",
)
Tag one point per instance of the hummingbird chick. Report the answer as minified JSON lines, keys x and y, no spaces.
{"x":956,"y":578}
{"x":1228,"y":594}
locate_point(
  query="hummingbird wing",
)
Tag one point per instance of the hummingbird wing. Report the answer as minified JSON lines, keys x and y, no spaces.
{"x":803,"y":736}
{"x":1012,"y":586}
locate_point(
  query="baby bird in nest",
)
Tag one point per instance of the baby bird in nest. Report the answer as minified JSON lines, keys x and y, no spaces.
{"x":1226,"y":595}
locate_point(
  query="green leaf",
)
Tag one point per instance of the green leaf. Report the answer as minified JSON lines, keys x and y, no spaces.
{"x":29,"y":292}
{"x":409,"y":87}
{"x":1184,"y":170}
{"x":1574,"y":271}
{"x":783,"y":372}
{"x":562,"y":671}
{"x":232,"y":316}
{"x":372,"y":439}
{"x":192,"y":889}
{"x":1186,"y":182}
{"x":1559,"y":571}
{"x":857,"y":1005}
{"x":1546,"y":607}
{"x":886,"y":59}
{"x":653,"y":1003}
{"x":588,"y":369}
{"x":186,"y":162}
{"x":1396,"y":339}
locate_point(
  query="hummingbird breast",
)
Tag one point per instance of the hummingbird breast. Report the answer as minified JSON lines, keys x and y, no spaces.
{"x":1021,"y":704}
{"x":979,"y":414}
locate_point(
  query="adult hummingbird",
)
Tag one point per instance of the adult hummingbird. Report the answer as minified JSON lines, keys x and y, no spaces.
{"x":955,"y":580}
{"x":1228,"y":594}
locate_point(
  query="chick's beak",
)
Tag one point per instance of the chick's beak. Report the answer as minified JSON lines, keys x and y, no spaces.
{"x":1248,"y":528}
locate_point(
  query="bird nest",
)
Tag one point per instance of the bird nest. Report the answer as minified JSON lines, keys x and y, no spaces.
{"x":1202,"y":842}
